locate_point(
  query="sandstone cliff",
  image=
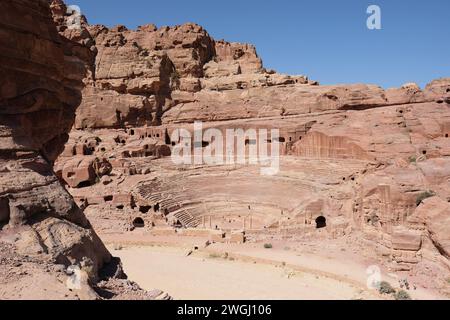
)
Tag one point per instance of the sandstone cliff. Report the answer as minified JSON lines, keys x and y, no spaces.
{"x":369,"y":157}
{"x":358,"y":158}
{"x":141,"y":74}
{"x":42,"y":230}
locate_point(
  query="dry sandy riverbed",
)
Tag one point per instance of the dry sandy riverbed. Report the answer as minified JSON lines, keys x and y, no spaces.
{"x":207,"y":277}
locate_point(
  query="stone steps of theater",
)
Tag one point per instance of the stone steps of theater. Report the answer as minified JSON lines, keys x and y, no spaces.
{"x":194,"y":210}
{"x":187,"y":219}
{"x":147,"y":193}
{"x":154,"y":197}
{"x":180,"y":204}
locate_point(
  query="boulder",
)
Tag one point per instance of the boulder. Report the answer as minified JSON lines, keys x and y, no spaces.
{"x":434,"y":212}
{"x":407,"y":240}
{"x":79,"y":171}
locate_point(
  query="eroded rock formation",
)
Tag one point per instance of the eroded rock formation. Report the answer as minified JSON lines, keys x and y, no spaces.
{"x":41,"y":227}
{"x":354,"y":158}
{"x":140,"y":75}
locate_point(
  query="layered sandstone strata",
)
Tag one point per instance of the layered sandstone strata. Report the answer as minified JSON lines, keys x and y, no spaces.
{"x":43,"y":233}
{"x":354,"y":157}
{"x":141,"y":74}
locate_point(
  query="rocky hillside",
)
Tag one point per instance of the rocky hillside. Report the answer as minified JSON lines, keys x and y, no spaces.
{"x":42,"y":231}
{"x":97,"y":106}
{"x":153,"y":76}
{"x":141,"y":75}
{"x":147,"y":82}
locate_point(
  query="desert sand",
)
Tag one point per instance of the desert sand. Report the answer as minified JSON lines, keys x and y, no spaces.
{"x":212,"y":277}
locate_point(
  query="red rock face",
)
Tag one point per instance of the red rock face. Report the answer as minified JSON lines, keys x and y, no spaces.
{"x":35,"y":92}
{"x":140,"y":75}
{"x":388,"y":143}
{"x":135,"y":72}
{"x":179,"y":74}
{"x":40,"y":88}
{"x":356,"y":156}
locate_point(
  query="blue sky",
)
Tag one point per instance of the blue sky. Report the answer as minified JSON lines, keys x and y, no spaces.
{"x":325,"y":39}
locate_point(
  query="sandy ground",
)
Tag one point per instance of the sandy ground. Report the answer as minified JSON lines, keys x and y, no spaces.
{"x":206,"y":276}
{"x":322,"y":269}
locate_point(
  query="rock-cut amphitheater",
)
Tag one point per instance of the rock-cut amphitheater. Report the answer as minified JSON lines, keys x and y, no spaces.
{"x":87,"y":122}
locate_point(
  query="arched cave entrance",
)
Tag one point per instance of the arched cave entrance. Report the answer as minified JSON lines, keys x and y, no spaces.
{"x":145,"y":209}
{"x":138,"y":223}
{"x":167,"y":138}
{"x":84,"y":184}
{"x":321,"y":222}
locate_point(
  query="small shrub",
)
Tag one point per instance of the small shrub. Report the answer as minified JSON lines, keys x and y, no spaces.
{"x":402,"y":295}
{"x":214,"y":256}
{"x":175,"y":80}
{"x":385,"y":287}
{"x":412,"y":159}
{"x":117,"y":247}
{"x":423,"y":196}
{"x":268,"y":246}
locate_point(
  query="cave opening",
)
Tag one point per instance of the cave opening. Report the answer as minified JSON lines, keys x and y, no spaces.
{"x":144,"y":209}
{"x":167,"y":138}
{"x":4,"y":211}
{"x":321,"y":222}
{"x":84,"y":184}
{"x":138,"y":222}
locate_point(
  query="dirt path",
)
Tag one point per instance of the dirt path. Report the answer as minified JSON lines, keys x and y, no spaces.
{"x":198,"y":277}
